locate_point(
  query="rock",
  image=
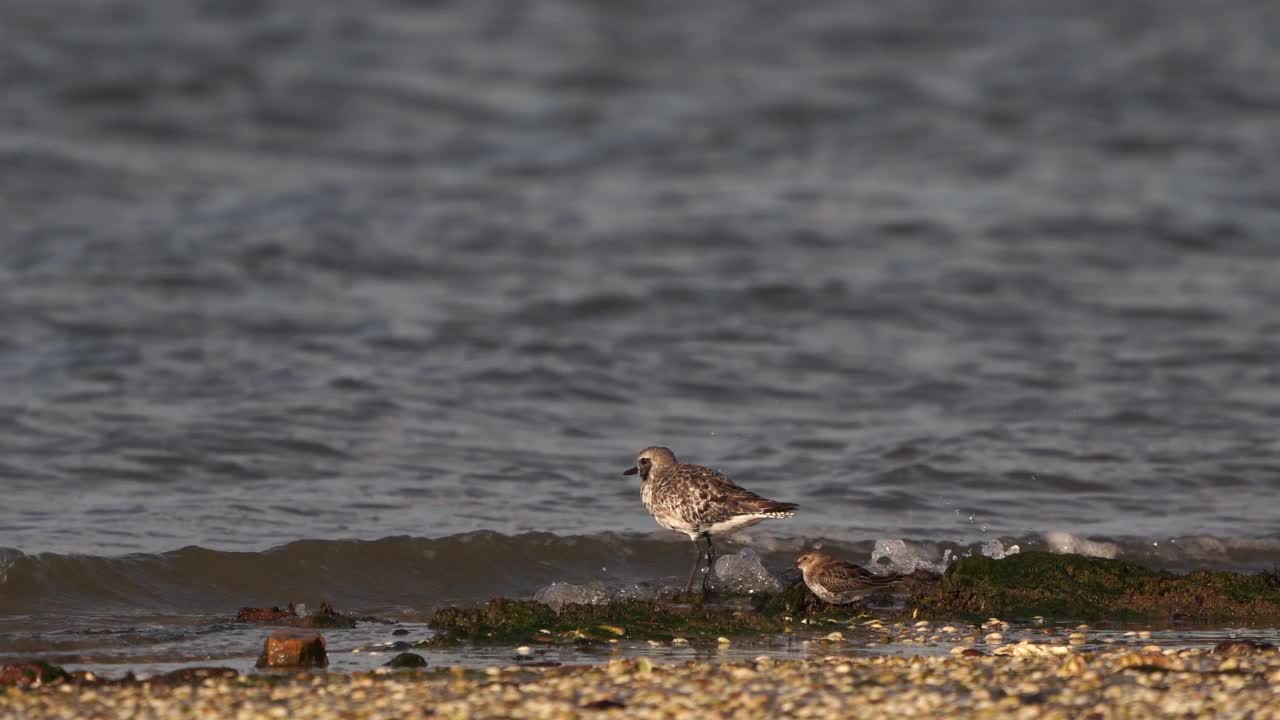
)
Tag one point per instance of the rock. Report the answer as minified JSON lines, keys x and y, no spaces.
{"x":399,"y":632}
{"x":1031,"y":584}
{"x":271,"y":614}
{"x":293,"y":649}
{"x":31,"y":674}
{"x":325,"y":617}
{"x":407,"y":660}
{"x":1241,"y":647}
{"x":523,"y":622}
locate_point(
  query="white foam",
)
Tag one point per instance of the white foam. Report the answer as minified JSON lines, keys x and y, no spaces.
{"x":1066,"y":543}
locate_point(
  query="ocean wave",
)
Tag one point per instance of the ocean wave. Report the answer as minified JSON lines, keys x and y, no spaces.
{"x":416,"y":575}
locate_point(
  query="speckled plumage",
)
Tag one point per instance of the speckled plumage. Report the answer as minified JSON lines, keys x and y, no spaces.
{"x":839,"y":582}
{"x":698,"y":501}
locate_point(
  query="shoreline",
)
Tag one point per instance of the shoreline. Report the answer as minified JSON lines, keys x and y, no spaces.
{"x":1235,"y":679}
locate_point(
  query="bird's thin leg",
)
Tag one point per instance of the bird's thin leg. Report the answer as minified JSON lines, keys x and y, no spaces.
{"x":697,"y":560}
{"x":711,"y":566}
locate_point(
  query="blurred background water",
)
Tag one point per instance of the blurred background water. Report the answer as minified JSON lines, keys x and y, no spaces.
{"x":276,"y":271}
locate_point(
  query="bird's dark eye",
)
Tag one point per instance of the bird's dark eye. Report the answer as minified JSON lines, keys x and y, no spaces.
{"x":644,"y":461}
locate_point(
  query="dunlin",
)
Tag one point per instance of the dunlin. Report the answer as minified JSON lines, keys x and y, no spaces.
{"x":839,"y":582}
{"x":699,"y":502}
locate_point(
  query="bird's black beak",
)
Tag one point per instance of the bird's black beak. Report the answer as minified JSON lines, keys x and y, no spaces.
{"x":631,"y":471}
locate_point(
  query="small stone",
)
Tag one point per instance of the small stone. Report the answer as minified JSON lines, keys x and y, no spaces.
{"x":524,"y":651}
{"x":197,"y":674}
{"x":293,"y":649}
{"x":722,"y":640}
{"x":994,"y":637}
{"x":399,"y":631}
{"x":1073,"y":665}
{"x":834,"y":637}
{"x":679,"y":641}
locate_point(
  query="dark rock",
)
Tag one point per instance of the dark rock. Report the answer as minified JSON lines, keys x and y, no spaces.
{"x":401,"y":645}
{"x":606,"y":704}
{"x":407,"y":660}
{"x":1242,"y":647}
{"x":400,"y":631}
{"x":972,"y":652}
{"x":293,"y":649}
{"x":264,"y":615}
{"x":31,"y":674}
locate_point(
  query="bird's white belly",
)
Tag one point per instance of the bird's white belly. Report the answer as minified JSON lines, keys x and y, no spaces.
{"x":725,"y":527}
{"x":733,"y":524}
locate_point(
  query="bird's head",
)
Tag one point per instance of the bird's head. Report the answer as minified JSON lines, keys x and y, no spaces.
{"x":649,"y":460}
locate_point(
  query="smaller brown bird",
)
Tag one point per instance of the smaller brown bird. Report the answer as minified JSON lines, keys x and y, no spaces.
{"x":839,"y":582}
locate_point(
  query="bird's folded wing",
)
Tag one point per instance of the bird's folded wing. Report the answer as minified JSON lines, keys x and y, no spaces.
{"x":842,"y":577}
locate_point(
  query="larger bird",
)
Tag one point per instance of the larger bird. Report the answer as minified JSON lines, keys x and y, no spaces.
{"x":699,"y":502}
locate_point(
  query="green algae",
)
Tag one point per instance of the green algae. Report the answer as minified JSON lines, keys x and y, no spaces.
{"x":1051,"y":585}
{"x":1020,"y":586}
{"x":521,"y":621}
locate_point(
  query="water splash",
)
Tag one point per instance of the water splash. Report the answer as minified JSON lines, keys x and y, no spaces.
{"x":899,"y":556}
{"x":745,"y":574}
{"x":997,"y":551}
{"x":558,"y":594}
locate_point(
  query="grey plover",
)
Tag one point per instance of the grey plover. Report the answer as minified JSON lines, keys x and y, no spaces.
{"x":839,"y":582}
{"x":698,"y":502}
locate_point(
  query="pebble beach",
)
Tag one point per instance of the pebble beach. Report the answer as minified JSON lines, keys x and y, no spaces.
{"x":1233,"y":682}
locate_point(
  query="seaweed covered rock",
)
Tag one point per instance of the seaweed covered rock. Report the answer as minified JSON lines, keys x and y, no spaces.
{"x":1088,"y":588}
{"x":520,"y":621}
{"x":499,"y":620}
{"x":325,"y":617}
{"x":31,"y":674}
